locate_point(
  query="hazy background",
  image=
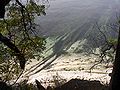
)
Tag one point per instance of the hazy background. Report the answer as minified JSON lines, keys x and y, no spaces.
{"x":70,"y":25}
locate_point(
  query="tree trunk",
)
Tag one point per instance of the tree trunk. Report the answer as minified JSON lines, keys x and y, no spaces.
{"x":3,"y":3}
{"x":115,"y":78}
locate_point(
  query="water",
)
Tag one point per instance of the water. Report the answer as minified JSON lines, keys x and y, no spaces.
{"x":66,"y":15}
{"x":75,"y":21}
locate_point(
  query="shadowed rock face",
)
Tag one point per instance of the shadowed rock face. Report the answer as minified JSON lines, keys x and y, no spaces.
{"x":76,"y":84}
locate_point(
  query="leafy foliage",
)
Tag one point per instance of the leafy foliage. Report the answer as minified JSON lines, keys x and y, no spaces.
{"x":19,"y":27}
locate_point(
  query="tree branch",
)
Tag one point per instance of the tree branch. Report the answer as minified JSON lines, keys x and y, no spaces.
{"x":12,"y":46}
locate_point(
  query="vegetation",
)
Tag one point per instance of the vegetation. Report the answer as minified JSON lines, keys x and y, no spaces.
{"x":115,"y":79}
{"x":19,"y":37}
{"x":20,"y":42}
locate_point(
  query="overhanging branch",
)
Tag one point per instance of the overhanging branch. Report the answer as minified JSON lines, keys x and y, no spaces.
{"x":12,"y":46}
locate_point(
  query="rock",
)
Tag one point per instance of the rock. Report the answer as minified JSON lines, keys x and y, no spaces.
{"x":39,"y":86}
{"x":49,"y":88}
{"x":76,"y":84}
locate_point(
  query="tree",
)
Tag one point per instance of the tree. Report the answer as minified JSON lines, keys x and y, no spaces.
{"x":19,"y":38}
{"x":3,"y":3}
{"x":115,"y":78}
{"x":111,"y":48}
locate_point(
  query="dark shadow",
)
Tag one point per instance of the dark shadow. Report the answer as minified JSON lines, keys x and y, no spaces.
{"x":73,"y":84}
{"x":4,"y":86}
{"x":33,"y":68}
{"x":77,"y":84}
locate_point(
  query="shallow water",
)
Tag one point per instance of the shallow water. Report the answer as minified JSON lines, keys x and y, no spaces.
{"x":79,"y":21}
